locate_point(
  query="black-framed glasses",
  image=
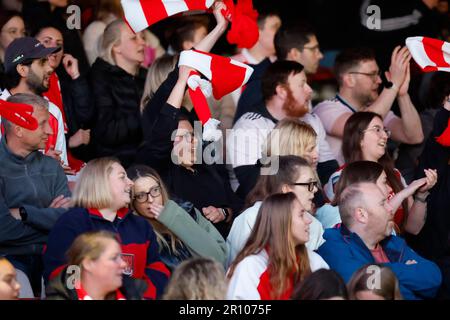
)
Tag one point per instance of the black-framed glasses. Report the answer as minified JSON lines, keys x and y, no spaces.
{"x":378,"y":130}
{"x":142,"y":197}
{"x":311,"y":185}
{"x":373,"y":75}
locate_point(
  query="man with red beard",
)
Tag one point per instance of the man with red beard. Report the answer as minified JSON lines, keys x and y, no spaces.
{"x":359,"y":79}
{"x":365,"y":237}
{"x":297,"y":43}
{"x":286,"y":94}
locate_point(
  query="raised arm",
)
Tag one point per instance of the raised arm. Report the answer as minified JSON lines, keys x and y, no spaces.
{"x":396,"y":74}
{"x":207,"y":43}
{"x":408,"y":128}
{"x":159,"y":138}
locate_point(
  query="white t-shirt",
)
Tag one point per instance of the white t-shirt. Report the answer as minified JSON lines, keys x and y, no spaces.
{"x":329,"y":111}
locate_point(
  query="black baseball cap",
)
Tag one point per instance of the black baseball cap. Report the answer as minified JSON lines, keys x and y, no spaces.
{"x":25,"y":49}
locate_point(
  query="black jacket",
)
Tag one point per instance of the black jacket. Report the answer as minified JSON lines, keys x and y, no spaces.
{"x":433,"y":240}
{"x":132,"y":289}
{"x":117,"y":130}
{"x":207,"y":185}
{"x":78,"y":107}
{"x":77,"y":100}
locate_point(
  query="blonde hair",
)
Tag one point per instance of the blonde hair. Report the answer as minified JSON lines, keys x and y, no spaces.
{"x":111,"y":37}
{"x":156,"y":75}
{"x":197,"y":279}
{"x":89,"y":245}
{"x":92,"y":189}
{"x":389,"y":287}
{"x":141,"y":171}
{"x":290,"y":137}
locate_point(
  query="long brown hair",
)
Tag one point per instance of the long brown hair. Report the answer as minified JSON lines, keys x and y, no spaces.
{"x":351,"y":148}
{"x":288,"y":172}
{"x":273,"y":232}
{"x":358,"y":171}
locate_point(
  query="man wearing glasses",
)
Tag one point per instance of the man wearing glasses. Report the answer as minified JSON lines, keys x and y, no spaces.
{"x":359,"y":79}
{"x":294,"y":43}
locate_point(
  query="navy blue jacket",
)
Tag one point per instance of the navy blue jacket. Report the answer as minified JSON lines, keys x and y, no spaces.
{"x":138,"y":242}
{"x":251,"y":98}
{"x":345,"y":253}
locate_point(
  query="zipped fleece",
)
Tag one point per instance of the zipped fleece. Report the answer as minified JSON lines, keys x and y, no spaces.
{"x":32,"y":182}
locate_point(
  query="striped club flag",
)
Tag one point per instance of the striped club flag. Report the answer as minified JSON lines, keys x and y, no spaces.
{"x":430,"y":54}
{"x":140,"y":14}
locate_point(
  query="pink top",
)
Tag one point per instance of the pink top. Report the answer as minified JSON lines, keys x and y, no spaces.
{"x":379,"y":255}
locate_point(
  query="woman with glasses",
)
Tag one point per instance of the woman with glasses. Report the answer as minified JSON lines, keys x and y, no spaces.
{"x":12,"y":27}
{"x":171,"y":146}
{"x":275,"y":258}
{"x":174,"y":152}
{"x":363,"y":171}
{"x":365,"y":138}
{"x":295,"y":137}
{"x":101,"y":198}
{"x":294,"y":175}
{"x":181,"y":230}
{"x":95,"y":271}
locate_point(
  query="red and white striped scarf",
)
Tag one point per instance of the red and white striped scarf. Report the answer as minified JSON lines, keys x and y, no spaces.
{"x":430,"y":54}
